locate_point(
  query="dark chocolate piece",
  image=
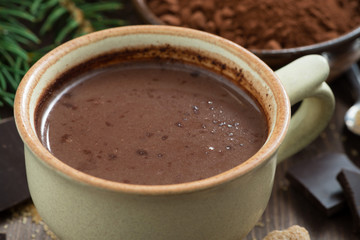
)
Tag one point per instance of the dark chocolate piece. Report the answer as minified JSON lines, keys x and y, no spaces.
{"x":13,"y":183}
{"x":350,"y":182}
{"x":2,"y":236}
{"x":316,"y":178}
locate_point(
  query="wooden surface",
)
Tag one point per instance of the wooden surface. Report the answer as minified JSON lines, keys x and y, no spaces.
{"x":286,"y":207}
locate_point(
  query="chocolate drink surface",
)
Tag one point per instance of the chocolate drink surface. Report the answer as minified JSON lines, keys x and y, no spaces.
{"x":151,"y":123}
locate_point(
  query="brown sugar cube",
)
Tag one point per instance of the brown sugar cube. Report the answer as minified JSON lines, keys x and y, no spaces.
{"x":292,"y":233}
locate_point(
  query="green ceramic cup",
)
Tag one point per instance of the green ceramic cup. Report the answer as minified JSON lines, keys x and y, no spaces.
{"x":226,"y":206}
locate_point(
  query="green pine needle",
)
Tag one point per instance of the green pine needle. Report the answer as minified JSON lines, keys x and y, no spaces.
{"x":31,"y":28}
{"x":13,"y":47}
{"x":93,"y":8}
{"x":3,"y":84}
{"x":51,"y":19}
{"x":20,"y":4}
{"x":70,"y":26}
{"x":34,"y":8}
{"x":17,"y":13}
{"x":7,"y":29}
{"x":9,"y":77}
{"x":8,"y":100}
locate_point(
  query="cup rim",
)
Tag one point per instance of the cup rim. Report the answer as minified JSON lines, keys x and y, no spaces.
{"x":30,"y":139}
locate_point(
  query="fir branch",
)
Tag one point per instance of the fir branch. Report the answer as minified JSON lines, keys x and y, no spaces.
{"x":31,"y":28}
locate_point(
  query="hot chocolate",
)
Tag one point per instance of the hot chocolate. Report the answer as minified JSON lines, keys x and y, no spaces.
{"x":151,"y":123}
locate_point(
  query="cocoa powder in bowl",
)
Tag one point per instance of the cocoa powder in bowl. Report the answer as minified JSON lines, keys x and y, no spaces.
{"x":266,"y":24}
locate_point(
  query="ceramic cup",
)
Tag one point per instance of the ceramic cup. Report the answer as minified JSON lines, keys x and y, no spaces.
{"x":226,"y":206}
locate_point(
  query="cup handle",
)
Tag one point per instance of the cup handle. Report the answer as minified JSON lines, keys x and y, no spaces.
{"x":304,"y":80}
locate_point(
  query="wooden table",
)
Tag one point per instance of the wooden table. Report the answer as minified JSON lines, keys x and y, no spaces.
{"x":286,"y":207}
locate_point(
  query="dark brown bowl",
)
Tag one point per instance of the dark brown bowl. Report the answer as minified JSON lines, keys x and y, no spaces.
{"x":341,"y":52}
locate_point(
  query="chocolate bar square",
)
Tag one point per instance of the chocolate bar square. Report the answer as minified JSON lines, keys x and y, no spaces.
{"x":316,"y":178}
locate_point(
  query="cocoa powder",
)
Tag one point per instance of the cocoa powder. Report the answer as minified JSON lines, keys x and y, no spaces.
{"x":263,"y":24}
